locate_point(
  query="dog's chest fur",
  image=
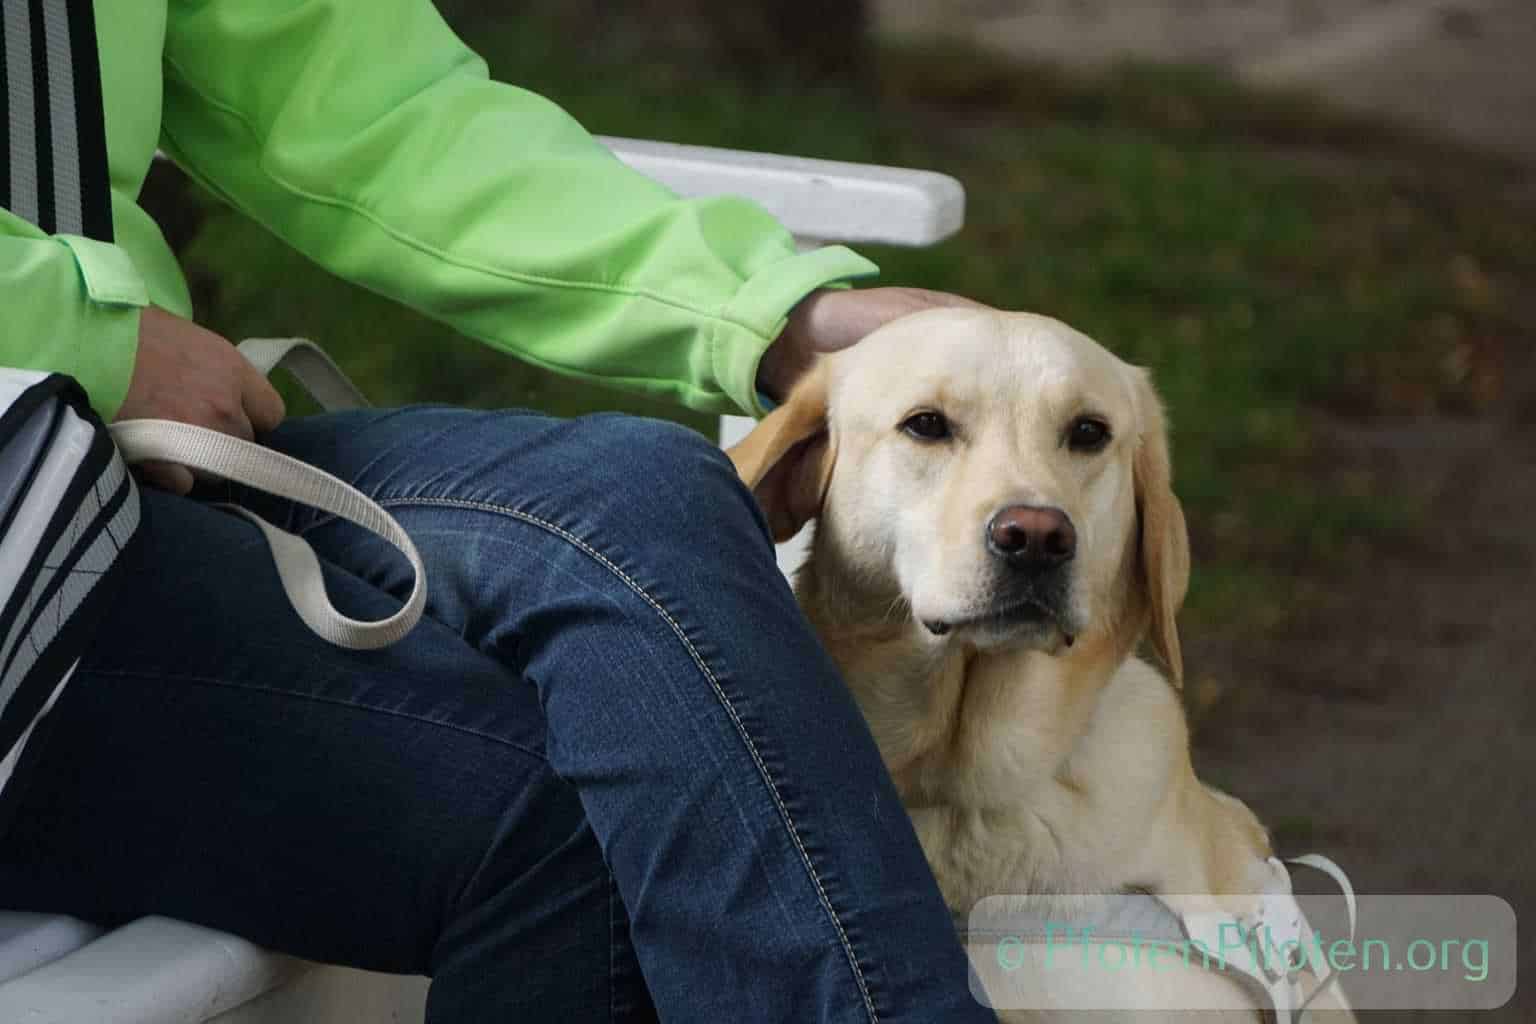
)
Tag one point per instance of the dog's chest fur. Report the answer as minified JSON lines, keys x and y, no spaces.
{"x":1014,"y":767}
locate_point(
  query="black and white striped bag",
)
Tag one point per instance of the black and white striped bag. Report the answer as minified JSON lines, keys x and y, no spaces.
{"x":69,"y":512}
{"x":69,"y":509}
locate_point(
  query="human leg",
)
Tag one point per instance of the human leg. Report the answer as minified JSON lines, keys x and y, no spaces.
{"x":214,"y":761}
{"x":767,"y":865}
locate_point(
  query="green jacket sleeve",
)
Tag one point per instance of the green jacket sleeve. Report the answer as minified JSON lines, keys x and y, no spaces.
{"x":367,"y":136}
{"x":72,"y":306}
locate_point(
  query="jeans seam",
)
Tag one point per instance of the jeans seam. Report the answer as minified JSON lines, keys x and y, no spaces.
{"x":709,"y":676}
{"x":319,"y":699}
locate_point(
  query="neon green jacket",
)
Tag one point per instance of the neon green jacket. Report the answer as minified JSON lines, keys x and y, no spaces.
{"x":364,"y":134}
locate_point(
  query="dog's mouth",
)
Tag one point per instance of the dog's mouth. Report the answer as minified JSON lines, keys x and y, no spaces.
{"x":1007,"y":617}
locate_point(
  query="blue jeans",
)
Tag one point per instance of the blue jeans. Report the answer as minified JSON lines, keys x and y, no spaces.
{"x":610,"y":776}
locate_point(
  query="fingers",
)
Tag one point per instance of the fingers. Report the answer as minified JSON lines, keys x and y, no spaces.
{"x":167,"y":476}
{"x":189,"y":374}
{"x":932,"y":298}
{"x":227,"y":417}
{"x":829,"y":320}
{"x":263,"y":405}
{"x":834,"y":320}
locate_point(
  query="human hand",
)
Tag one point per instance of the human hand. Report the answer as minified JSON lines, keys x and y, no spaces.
{"x":831,"y":319}
{"x":186,"y":373}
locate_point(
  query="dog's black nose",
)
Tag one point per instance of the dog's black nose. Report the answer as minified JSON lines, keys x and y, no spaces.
{"x":1032,"y":538}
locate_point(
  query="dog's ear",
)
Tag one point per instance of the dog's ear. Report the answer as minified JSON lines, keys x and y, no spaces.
{"x":787,"y":459}
{"x":1163,"y":539}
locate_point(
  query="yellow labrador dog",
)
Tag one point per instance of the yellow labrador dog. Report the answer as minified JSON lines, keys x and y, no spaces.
{"x":996,"y":533}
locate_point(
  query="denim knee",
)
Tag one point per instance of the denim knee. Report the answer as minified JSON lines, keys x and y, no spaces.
{"x":669,"y":483}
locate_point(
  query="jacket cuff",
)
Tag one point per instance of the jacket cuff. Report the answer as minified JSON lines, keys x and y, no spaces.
{"x":755,"y":317}
{"x":108,"y":272}
{"x":109,"y":324}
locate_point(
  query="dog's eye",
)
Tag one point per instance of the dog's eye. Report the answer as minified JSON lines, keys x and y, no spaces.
{"x":926,"y":426}
{"x":1087,"y":434}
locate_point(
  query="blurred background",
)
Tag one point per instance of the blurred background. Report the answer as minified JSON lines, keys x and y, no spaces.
{"x":1312,"y":218}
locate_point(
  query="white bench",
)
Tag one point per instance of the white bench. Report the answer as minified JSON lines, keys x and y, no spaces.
{"x":57,"y":970}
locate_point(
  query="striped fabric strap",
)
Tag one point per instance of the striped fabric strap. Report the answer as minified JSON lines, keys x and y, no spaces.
{"x":53,"y":151}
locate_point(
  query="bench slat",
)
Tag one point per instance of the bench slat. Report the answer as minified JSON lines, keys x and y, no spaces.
{"x":816,"y":199}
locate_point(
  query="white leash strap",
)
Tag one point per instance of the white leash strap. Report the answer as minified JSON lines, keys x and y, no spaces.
{"x":1318,"y":862}
{"x":1280,"y":918}
{"x":209,"y":451}
{"x":310,"y":366}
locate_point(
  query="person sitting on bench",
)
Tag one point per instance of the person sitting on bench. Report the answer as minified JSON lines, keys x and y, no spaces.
{"x":611,"y":775}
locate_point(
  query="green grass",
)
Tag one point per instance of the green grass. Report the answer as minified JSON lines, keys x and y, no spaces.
{"x":1267,"y":257}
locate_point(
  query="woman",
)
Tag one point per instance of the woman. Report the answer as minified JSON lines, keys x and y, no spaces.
{"x":611,"y":774}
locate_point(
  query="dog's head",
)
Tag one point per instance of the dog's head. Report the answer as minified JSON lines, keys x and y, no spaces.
{"x":1001,"y":475}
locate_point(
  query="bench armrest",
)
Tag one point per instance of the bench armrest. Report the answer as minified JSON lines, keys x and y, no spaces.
{"x":818,"y":200}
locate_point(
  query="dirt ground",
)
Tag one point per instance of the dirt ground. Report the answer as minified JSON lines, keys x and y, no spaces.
{"x":1391,"y":724}
{"x":1395,"y":731}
